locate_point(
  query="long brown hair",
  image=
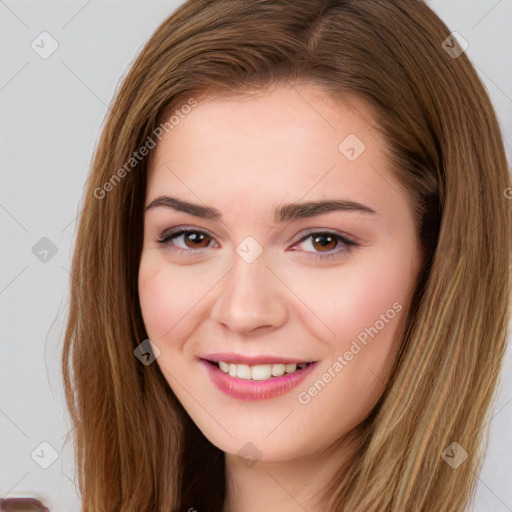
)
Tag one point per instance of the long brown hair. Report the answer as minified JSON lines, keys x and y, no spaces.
{"x":137,"y":449}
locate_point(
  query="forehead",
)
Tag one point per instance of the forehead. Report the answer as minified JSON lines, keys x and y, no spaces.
{"x":290,"y":113}
{"x":295,"y":141}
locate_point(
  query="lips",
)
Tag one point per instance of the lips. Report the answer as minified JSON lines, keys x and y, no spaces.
{"x":250,"y":389}
{"x":252,"y":360}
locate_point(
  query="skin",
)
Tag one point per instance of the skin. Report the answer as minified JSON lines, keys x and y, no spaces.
{"x":244,"y":157}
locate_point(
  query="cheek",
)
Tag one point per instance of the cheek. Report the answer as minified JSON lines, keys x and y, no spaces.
{"x":153,"y":299}
{"x":364,"y":305}
{"x":173,"y":297}
{"x":361,"y":303}
{"x":163,"y":297}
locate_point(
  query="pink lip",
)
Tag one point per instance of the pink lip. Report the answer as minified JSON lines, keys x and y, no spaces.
{"x":255,"y":390}
{"x":251,"y":360}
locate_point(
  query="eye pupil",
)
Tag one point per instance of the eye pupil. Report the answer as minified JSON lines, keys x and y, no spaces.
{"x":327,"y":240}
{"x":195,"y":237}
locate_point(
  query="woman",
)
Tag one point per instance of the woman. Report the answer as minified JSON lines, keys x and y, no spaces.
{"x":291,"y":281}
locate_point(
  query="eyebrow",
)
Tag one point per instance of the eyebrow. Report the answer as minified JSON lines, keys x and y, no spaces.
{"x":284,"y":213}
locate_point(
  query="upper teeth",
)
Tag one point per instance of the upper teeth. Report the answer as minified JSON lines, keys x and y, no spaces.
{"x":258,"y":372}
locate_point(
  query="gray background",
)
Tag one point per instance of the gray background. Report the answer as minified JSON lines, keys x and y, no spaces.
{"x":52,"y":111}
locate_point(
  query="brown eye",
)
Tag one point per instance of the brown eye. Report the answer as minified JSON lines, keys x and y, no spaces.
{"x":185,"y":240}
{"x":195,"y":239}
{"x":324,"y":242}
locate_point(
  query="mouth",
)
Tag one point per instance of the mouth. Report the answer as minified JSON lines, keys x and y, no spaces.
{"x":258,"y":372}
{"x":256,"y":381}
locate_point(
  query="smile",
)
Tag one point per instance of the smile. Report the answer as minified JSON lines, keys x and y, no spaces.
{"x":256,"y":382}
{"x":259,"y":372}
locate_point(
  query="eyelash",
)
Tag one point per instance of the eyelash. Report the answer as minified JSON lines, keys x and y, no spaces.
{"x":167,"y":236}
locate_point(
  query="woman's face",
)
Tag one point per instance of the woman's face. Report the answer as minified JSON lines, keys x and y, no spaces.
{"x":269,"y":275}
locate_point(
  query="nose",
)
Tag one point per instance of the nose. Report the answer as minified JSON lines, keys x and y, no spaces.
{"x":251,"y":298}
